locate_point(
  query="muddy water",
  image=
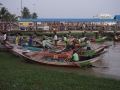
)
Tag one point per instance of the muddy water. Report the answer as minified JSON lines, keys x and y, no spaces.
{"x":110,"y":63}
{"x":108,"y":66}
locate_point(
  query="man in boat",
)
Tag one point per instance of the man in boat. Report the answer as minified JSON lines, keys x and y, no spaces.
{"x":48,"y":44}
{"x":79,"y":40}
{"x":68,"y":35}
{"x":30,"y":42}
{"x":20,"y":40}
{"x":43,"y":43}
{"x":4,"y":37}
{"x":13,"y":39}
{"x":17,"y":40}
{"x":75,"y":56}
{"x":88,"y":44}
{"x":68,"y":44}
{"x":55,"y":39}
{"x":64,"y":38}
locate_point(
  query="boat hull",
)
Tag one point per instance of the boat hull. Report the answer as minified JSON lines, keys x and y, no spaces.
{"x":40,"y":58}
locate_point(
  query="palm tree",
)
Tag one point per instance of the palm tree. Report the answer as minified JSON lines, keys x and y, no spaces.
{"x":26,"y":13}
{"x":13,"y":18}
{"x":3,"y":13}
{"x":7,"y":16}
{"x":34,"y":15}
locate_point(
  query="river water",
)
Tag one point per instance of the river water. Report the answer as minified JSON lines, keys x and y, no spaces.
{"x":108,"y":66}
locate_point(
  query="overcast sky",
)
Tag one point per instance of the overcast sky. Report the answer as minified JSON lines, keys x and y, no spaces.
{"x":65,"y":8}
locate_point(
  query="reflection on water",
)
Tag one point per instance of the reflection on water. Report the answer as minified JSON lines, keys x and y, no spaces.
{"x":109,"y":65}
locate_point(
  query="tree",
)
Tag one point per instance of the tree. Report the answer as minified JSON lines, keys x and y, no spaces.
{"x":26,"y":13}
{"x":34,"y":15}
{"x":7,"y":16}
{"x":3,"y":13}
{"x":14,"y":18}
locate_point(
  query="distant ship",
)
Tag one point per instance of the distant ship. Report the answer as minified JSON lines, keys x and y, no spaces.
{"x":103,"y":16}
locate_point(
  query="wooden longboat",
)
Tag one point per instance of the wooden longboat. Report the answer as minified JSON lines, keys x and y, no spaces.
{"x":76,"y":45}
{"x":46,"y":57}
{"x":98,"y":40}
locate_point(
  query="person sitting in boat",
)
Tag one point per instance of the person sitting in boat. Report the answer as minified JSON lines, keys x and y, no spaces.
{"x":75,"y":56}
{"x":48,"y":44}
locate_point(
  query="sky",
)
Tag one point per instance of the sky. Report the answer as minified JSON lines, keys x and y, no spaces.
{"x":64,"y":8}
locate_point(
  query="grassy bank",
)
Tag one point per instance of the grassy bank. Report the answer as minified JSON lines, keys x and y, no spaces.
{"x":15,"y":75}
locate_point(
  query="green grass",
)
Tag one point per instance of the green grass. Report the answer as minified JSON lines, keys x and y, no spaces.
{"x":15,"y":75}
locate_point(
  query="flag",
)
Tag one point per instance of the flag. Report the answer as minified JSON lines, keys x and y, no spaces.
{"x":0,"y":3}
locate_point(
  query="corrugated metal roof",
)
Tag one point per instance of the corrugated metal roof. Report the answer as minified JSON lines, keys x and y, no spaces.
{"x":67,"y":20}
{"x":117,"y":17}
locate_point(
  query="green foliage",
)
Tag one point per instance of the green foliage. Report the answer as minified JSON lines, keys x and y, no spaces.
{"x":34,"y":15}
{"x":7,"y":16}
{"x":16,"y":74}
{"x":26,"y":13}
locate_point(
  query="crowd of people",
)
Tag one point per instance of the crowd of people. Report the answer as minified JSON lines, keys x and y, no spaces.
{"x":6,"y":26}
{"x":65,"y":26}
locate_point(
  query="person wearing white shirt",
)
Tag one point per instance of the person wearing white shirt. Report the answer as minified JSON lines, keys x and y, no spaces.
{"x":4,"y":37}
{"x":55,"y":39}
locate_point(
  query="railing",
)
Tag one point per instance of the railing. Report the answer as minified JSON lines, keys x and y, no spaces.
{"x":67,"y":28}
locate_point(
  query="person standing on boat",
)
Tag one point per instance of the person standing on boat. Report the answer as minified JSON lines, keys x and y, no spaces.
{"x":75,"y":56}
{"x":79,"y":40}
{"x":16,"y":40}
{"x":4,"y":37}
{"x":88,"y":44}
{"x":68,"y":35}
{"x":68,"y":44}
{"x":55,"y":39}
{"x":65,"y":38}
{"x":20,"y":40}
{"x":30,"y":42}
{"x":13,"y":39}
{"x":43,"y":43}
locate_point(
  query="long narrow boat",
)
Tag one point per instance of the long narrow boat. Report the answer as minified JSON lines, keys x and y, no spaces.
{"x":98,"y":40}
{"x":45,"y":57}
{"x":76,"y":45}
